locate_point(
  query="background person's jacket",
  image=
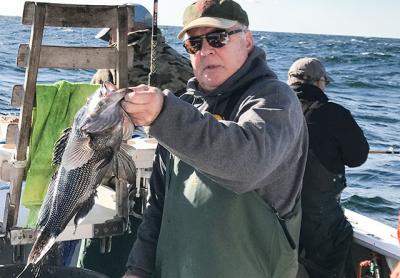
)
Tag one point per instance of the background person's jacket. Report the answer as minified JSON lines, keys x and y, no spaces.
{"x":335,"y":137}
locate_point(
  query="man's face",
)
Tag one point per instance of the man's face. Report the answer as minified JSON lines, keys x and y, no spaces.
{"x":213,"y":66}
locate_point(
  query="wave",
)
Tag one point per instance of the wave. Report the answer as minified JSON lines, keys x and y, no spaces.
{"x":377,"y":54}
{"x":361,"y":84}
{"x":375,"y":207}
{"x":358,"y":58}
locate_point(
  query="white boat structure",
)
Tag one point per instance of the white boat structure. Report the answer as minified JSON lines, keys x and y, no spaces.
{"x":376,"y":245}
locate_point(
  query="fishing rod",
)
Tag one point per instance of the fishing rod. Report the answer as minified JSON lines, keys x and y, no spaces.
{"x":390,"y":150}
{"x":153,"y":54}
{"x":384,"y":152}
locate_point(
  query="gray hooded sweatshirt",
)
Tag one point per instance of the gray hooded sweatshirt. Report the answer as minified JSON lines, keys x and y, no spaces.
{"x":260,"y":145}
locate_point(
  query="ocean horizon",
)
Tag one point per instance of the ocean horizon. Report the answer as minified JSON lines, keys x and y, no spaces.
{"x":366,"y":73}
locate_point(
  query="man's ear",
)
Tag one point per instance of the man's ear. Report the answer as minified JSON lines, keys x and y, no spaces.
{"x":249,"y":40}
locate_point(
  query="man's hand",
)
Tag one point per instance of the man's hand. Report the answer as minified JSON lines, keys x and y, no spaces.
{"x":143,"y":105}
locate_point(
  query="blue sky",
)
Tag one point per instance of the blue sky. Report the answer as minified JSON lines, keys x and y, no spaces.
{"x":343,"y":17}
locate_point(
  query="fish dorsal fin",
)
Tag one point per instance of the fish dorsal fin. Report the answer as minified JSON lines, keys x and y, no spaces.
{"x":60,"y":145}
{"x":77,"y":152}
{"x":124,"y":167}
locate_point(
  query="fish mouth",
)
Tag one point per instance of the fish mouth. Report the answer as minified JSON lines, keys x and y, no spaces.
{"x":113,"y":97}
{"x":105,"y":112}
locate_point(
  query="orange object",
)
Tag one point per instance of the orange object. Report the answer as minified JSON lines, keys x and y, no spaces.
{"x":361,"y":266}
{"x":398,"y":228}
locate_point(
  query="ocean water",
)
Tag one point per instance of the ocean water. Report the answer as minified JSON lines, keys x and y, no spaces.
{"x":366,"y":73}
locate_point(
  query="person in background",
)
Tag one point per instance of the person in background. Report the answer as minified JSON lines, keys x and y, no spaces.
{"x":174,"y":71}
{"x":225,"y":188}
{"x":336,"y":141}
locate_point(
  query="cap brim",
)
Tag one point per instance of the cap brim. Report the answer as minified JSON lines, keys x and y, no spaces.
{"x":208,"y":22}
{"x":103,"y":34}
{"x":328,"y":78}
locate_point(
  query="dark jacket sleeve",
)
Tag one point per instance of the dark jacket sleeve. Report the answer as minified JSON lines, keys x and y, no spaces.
{"x":141,"y":260}
{"x":353,"y":145}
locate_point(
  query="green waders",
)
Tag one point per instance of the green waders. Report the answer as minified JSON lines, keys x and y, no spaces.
{"x":208,"y":231}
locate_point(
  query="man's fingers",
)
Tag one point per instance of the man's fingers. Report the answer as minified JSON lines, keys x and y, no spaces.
{"x":140,"y":98}
{"x":133,"y":107}
{"x":139,"y":88}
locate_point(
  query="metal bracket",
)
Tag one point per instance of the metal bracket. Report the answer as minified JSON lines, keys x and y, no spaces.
{"x":112,"y":227}
{"x":22,"y":236}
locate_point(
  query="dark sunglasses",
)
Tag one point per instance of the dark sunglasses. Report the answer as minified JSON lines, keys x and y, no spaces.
{"x":216,"y":39}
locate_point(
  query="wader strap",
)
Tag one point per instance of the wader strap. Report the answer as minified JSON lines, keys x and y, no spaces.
{"x":282,"y":222}
{"x":287,"y":234}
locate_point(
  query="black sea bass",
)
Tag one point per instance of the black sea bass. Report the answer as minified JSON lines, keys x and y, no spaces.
{"x":84,"y":153}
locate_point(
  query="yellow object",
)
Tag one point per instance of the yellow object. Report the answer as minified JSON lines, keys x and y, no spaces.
{"x":218,"y":117}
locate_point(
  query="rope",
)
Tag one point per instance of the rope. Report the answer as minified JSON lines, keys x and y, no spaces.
{"x":153,"y":54}
{"x":18,"y":164}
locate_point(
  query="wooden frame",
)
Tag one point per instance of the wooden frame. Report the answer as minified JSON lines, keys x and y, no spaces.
{"x":35,"y":56}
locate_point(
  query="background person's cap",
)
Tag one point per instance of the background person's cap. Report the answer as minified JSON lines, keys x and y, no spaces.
{"x":307,"y":69}
{"x":140,"y":16}
{"x":222,"y":14}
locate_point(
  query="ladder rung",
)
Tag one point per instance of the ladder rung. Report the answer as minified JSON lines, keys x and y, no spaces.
{"x":71,"y":57}
{"x":17,"y":95}
{"x":12,"y":134}
{"x":64,"y":15}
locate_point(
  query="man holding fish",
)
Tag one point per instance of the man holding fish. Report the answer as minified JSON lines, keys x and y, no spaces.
{"x":225,"y":189}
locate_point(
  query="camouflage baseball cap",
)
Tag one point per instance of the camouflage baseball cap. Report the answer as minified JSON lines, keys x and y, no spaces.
{"x":307,"y":69}
{"x":222,"y":14}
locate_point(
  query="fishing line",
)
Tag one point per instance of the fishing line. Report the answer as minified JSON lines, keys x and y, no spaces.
{"x":153,"y":54}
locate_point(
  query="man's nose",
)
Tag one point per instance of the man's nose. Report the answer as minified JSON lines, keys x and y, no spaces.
{"x":206,"y":48}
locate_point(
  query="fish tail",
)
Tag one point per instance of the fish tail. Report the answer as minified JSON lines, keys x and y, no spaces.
{"x":42,"y":245}
{"x":24,"y":270}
